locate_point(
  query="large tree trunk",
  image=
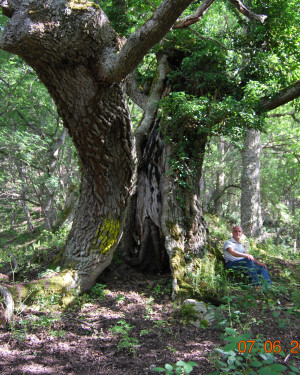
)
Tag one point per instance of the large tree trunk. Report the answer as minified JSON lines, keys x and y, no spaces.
{"x":95,"y":114}
{"x":251,"y":217}
{"x":73,"y":49}
{"x":104,"y":144}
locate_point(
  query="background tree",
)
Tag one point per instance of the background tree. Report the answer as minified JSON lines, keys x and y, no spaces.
{"x":279,"y":176}
{"x":36,"y":155}
{"x":251,"y":216}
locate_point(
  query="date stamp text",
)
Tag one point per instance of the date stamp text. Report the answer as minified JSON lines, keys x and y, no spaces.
{"x":270,"y":346}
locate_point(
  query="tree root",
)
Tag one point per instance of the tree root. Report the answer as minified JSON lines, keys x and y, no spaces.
{"x":9,"y":306}
{"x":62,"y":284}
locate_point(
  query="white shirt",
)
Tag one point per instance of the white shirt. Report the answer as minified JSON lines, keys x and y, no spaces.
{"x":237,"y":246}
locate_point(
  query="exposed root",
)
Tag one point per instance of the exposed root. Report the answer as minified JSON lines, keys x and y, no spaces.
{"x":9,"y":306}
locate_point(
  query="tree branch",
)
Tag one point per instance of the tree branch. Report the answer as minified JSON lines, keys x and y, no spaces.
{"x":297,"y":157}
{"x":209,"y":38}
{"x":281,"y":114}
{"x":118,"y":66}
{"x":155,"y":96}
{"x":292,"y":114}
{"x":247,"y":12}
{"x":224,"y":189}
{"x":193,"y":18}
{"x":134,"y":92}
{"x":282,"y":97}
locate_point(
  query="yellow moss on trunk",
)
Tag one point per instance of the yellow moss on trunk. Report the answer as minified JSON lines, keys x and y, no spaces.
{"x":106,"y":236}
{"x":82,"y":4}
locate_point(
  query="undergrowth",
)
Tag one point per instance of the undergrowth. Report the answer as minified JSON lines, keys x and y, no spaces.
{"x":241,"y":315}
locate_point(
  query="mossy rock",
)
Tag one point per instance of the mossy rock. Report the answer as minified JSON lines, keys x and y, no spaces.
{"x":197,"y":313}
{"x":61,"y":284}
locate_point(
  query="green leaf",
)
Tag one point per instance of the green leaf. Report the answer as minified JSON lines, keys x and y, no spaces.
{"x":230,"y":331}
{"x":230,"y":347}
{"x":180,"y":363}
{"x":187,"y":368}
{"x":194,"y":364}
{"x":295,"y":369}
{"x":278,"y":367}
{"x":255,"y":363}
{"x":272,"y":369}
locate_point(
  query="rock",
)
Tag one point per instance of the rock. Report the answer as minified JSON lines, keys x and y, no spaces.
{"x":2,"y":316}
{"x":4,"y":277}
{"x":197,"y":313}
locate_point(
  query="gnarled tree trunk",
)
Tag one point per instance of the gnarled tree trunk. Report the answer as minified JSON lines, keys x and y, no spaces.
{"x":94,"y":112}
{"x":166,"y":230}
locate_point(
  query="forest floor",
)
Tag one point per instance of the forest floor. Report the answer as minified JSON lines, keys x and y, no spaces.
{"x":130,"y":325}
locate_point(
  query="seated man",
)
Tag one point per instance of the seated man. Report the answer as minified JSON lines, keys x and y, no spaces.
{"x":237,"y":258}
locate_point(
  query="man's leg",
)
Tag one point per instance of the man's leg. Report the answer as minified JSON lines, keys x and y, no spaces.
{"x":263,"y":272}
{"x":246,"y":266}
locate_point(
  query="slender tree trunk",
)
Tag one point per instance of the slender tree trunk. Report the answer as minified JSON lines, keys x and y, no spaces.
{"x":251,"y":217}
{"x":220,"y":179}
{"x":47,"y":199}
{"x":12,"y":218}
{"x":23,"y":196}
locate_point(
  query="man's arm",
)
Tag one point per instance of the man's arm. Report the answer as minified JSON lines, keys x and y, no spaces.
{"x":260,"y":263}
{"x":245,"y":255}
{"x":240,"y":255}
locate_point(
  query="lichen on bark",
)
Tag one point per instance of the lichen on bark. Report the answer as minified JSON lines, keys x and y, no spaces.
{"x":82,"y":4}
{"x":106,"y":236}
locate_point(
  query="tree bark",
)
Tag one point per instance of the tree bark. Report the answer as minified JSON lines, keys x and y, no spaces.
{"x":284,"y":96}
{"x":94,"y":112}
{"x":166,"y":229}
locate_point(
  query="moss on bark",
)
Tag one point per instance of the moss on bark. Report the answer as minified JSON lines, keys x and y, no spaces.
{"x":195,"y":277}
{"x":106,"y":236}
{"x":82,"y":4}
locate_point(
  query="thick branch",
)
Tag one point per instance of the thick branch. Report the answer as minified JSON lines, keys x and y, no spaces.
{"x":134,"y":92}
{"x":284,"y":96}
{"x":247,"y":12}
{"x":195,"y":17}
{"x":156,"y":93}
{"x":281,"y":114}
{"x":139,"y":43}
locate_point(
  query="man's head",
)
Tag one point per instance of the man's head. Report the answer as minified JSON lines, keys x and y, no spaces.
{"x":237,"y":232}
